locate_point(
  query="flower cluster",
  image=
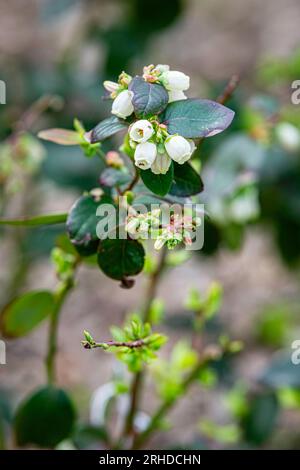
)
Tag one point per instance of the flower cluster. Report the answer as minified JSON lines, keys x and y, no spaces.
{"x":139,"y":225}
{"x":153,"y":147}
{"x":180,"y":228}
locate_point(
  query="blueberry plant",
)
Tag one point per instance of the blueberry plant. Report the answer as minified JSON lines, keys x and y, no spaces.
{"x":161,"y":130}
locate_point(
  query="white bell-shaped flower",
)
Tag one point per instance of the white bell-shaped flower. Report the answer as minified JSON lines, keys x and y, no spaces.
{"x":176,"y":80}
{"x":161,"y":164}
{"x":122,"y":105}
{"x":179,"y":148}
{"x":176,"y":95}
{"x":141,"y":131}
{"x":144,"y":155}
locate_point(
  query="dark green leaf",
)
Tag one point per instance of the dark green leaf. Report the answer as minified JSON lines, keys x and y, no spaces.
{"x":107,"y":128}
{"x":26,"y":312}
{"x":261,"y":418}
{"x":112,"y":177}
{"x":82,"y":223}
{"x":45,"y":418}
{"x":148,"y":98}
{"x":187,"y":182}
{"x":36,"y":220}
{"x":158,"y":184}
{"x":194,"y":118}
{"x":119,"y":259}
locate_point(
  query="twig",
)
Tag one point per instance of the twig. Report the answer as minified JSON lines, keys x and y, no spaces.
{"x":133,"y":182}
{"x":119,"y":344}
{"x":153,"y":282}
{"x":225,"y":95}
{"x":229,"y":89}
{"x":136,"y":386}
{"x":60,"y":296}
{"x":166,"y":405}
{"x":30,"y":116}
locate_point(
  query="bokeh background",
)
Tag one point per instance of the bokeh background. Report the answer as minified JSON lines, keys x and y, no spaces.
{"x":56,"y":54}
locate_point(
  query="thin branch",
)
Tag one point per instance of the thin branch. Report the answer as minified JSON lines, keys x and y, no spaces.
{"x":133,"y":182}
{"x":31,"y":115}
{"x":53,"y":331}
{"x":61,"y":294}
{"x":225,"y":95}
{"x":137,"y":382}
{"x":164,"y":408}
{"x":119,"y":344}
{"x":153,"y":283}
{"x":101,"y":154}
{"x":229,"y":89}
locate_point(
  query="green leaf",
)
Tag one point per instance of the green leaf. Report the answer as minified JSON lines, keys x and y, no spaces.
{"x":60,"y":136}
{"x":119,"y":259}
{"x":194,"y":118}
{"x":26,"y":312}
{"x":82,"y":223}
{"x":112,"y":177}
{"x":261,"y":418}
{"x":148,"y":98}
{"x":45,"y":418}
{"x":36,"y":220}
{"x":158,"y":184}
{"x":63,"y":242}
{"x":107,"y":128}
{"x":187,"y":182}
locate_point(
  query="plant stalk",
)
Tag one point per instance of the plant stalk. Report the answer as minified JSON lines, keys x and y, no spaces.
{"x":137,"y":382}
{"x":166,"y":405}
{"x":61,"y":294}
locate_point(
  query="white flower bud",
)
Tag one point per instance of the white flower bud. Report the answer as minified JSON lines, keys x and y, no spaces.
{"x":161,"y":164}
{"x":288,"y":136}
{"x":141,"y":131}
{"x":144,"y":155}
{"x":162,"y":67}
{"x":111,"y":86}
{"x":176,"y":80}
{"x":179,"y":148}
{"x":122,"y":104}
{"x":176,"y":95}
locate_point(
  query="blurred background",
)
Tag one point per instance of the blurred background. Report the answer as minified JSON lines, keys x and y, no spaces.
{"x":54,"y":56}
